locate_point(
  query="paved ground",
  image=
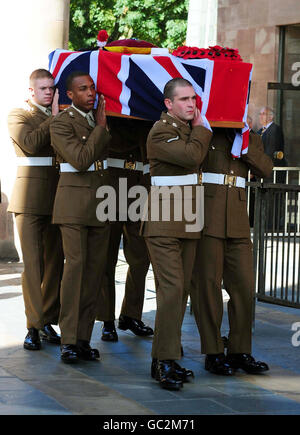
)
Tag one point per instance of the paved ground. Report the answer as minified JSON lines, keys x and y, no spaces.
{"x":120,"y":384}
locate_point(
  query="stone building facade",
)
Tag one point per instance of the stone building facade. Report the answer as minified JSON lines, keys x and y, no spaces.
{"x":267,"y":34}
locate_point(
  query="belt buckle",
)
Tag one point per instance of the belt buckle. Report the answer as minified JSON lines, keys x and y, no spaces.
{"x":129,"y":165}
{"x":200,"y":179}
{"x":230,"y":180}
{"x":98,"y":165}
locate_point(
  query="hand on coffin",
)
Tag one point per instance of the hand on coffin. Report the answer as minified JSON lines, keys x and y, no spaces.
{"x":197,"y":118}
{"x":55,"y":105}
{"x":100,"y":112}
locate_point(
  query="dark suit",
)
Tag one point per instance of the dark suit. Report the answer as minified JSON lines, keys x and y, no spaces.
{"x":32,"y":202}
{"x":273,"y":141}
{"x":85,"y":238}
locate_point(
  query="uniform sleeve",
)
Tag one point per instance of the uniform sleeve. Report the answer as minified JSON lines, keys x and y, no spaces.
{"x":80,"y":155}
{"x":260,"y":164}
{"x":28,"y":138}
{"x":165,"y":144}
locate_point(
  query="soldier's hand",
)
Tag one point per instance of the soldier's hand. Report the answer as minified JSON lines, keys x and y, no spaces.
{"x":100,"y":112}
{"x":55,"y":105}
{"x":197,"y":118}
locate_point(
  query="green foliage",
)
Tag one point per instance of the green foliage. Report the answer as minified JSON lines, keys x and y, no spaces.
{"x":162,"y":22}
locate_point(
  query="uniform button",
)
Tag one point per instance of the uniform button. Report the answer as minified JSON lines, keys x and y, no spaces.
{"x":213,"y":148}
{"x":231,"y":172}
{"x":174,"y":125}
{"x":83,"y":137}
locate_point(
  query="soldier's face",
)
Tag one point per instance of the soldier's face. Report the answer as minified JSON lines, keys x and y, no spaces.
{"x":83,"y":93}
{"x":42,"y":91}
{"x":263,"y":117}
{"x":183,"y":104}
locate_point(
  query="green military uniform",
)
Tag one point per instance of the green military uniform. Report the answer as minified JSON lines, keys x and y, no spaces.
{"x":32,"y":202}
{"x":126,"y":161}
{"x":85,"y":239}
{"x":174,"y":150}
{"x":225,"y":250}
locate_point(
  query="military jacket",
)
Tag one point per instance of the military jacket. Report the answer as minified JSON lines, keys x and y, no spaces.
{"x":77,"y":143}
{"x":173,"y":148}
{"x":35,"y":186}
{"x":225,"y":205}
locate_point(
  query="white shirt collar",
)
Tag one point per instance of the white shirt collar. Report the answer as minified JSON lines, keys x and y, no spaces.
{"x":268,"y":125}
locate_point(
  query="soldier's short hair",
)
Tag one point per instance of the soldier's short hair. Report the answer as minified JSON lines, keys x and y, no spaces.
{"x":171,"y":85}
{"x":39,"y":73}
{"x":72,"y":76}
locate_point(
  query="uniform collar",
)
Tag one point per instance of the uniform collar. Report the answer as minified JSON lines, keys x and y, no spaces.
{"x":84,"y":114}
{"x":169,"y":119}
{"x":46,"y":110}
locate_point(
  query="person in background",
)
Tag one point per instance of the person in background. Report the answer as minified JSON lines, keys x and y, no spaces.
{"x":126,"y":168}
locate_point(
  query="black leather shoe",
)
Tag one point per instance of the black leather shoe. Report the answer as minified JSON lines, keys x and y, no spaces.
{"x":184,"y":374}
{"x":86,"y":352}
{"x":32,"y":340}
{"x":136,"y":326}
{"x":166,"y":375}
{"x":109,"y":332}
{"x":246,"y":362}
{"x":217,"y":364}
{"x":49,"y":334}
{"x":69,"y":353}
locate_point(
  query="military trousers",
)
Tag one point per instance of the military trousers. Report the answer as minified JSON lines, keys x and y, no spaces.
{"x":230,"y":261}
{"x":43,"y":261}
{"x":85,"y":251}
{"x":172,"y":259}
{"x":136,"y":255}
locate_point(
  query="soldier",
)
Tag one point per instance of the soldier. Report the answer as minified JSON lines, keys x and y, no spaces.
{"x":175,"y":151}
{"x":225,"y":253}
{"x":32,"y":202}
{"x":126,"y":164}
{"x":80,"y":139}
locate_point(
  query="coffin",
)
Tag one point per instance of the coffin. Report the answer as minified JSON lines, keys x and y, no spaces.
{"x":133,"y":84}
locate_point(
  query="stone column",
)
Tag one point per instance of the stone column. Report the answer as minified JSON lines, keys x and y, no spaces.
{"x":29,"y":31}
{"x":202,"y":23}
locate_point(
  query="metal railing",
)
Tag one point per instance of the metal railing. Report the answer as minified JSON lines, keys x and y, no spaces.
{"x":276,"y":237}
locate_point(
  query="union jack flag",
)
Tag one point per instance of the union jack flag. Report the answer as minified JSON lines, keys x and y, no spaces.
{"x":133,"y":84}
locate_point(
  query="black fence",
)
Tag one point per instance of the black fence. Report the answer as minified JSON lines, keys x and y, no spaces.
{"x":274,"y":211}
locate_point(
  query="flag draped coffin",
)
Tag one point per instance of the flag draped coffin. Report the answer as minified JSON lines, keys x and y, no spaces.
{"x":133,"y":84}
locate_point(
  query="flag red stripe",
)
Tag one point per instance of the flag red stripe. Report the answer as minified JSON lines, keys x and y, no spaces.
{"x":108,"y":83}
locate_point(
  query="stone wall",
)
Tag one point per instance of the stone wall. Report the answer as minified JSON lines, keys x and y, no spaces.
{"x":252,"y":27}
{"x":29,"y":31}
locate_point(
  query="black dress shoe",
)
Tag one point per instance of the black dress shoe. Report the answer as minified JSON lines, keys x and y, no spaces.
{"x":69,"y":353}
{"x":136,"y":326}
{"x":166,"y":375}
{"x":49,"y":334}
{"x":32,"y":340}
{"x":86,"y":352}
{"x":184,"y":374}
{"x":109,"y":332}
{"x":217,"y":364}
{"x":246,"y":362}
